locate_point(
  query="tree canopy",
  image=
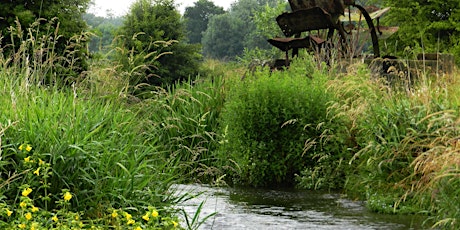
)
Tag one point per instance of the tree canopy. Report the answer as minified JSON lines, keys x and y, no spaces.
{"x":149,"y":22}
{"x":429,"y":24}
{"x":197,"y":18}
{"x":228,"y":35}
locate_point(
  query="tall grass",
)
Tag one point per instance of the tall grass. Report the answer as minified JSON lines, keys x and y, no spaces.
{"x":81,"y":138}
{"x":406,"y":156}
{"x":184,"y":118}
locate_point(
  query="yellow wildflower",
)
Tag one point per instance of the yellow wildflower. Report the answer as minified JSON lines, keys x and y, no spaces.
{"x":128,"y":216}
{"x":28,"y":216}
{"x":55,"y":219}
{"x":27,"y":147}
{"x":138,"y":228}
{"x":34,"y":226}
{"x":174,"y":223}
{"x":8,"y":212}
{"x":22,"y":226}
{"x":154,"y":213}
{"x":67,"y":196}
{"x":114,"y":214}
{"x":146,"y":217}
{"x":27,"y":159}
{"x":41,"y":162}
{"x":37,"y":172}
{"x":131,"y":221}
{"x":77,"y":217}
{"x":26,"y":191}
{"x":34,"y":209}
{"x":23,"y":204}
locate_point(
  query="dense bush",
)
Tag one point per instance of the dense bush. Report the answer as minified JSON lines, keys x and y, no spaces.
{"x":269,"y":118}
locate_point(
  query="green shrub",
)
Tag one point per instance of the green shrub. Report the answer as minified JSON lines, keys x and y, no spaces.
{"x":267,"y":120}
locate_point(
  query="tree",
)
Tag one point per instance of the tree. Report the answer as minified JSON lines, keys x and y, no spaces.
{"x":229,"y":34}
{"x":429,"y":24}
{"x":197,"y":18}
{"x":69,"y":23}
{"x":146,"y":25}
{"x":104,"y":29}
{"x":224,"y":38}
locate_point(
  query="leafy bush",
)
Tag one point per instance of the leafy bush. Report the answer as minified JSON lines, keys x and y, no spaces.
{"x":267,"y":120}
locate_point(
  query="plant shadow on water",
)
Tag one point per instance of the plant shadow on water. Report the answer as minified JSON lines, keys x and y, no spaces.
{"x":247,"y":208}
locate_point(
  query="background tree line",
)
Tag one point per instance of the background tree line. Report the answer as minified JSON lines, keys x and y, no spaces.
{"x":208,"y":31}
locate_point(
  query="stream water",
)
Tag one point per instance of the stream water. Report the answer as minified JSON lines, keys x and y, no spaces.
{"x":279,"y":209}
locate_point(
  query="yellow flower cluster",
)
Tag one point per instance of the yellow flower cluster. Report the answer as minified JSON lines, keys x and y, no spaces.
{"x":153,"y":213}
{"x":26,"y":147}
{"x":26,"y":191}
{"x":148,"y":216}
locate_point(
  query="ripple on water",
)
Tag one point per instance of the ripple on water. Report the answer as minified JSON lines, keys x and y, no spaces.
{"x":261,"y":209}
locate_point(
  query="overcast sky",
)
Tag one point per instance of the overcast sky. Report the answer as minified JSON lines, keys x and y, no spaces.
{"x":121,"y":7}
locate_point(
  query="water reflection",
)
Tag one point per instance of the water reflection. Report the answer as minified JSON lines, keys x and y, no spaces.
{"x":286,"y":209}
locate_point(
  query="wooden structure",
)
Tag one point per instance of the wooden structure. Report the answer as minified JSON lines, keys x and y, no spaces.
{"x":313,"y":15}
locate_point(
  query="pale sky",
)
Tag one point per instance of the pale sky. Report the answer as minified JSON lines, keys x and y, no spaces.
{"x":121,"y":7}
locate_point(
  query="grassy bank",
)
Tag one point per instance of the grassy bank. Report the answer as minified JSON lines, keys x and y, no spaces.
{"x":90,"y":154}
{"x":56,"y":140}
{"x":393,"y":146}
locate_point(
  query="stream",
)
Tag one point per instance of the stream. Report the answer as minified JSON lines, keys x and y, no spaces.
{"x":277,"y":209}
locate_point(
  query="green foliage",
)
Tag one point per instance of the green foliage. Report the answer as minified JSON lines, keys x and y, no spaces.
{"x":230,"y":33}
{"x":267,"y":120}
{"x":267,"y":27}
{"x":224,"y":37}
{"x":104,"y":30}
{"x":68,"y":23}
{"x":265,"y":22}
{"x":37,"y":54}
{"x":197,"y":18}
{"x":429,"y":26}
{"x":405,"y":146}
{"x":184,"y":118}
{"x":96,"y":149}
{"x":144,"y":26}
